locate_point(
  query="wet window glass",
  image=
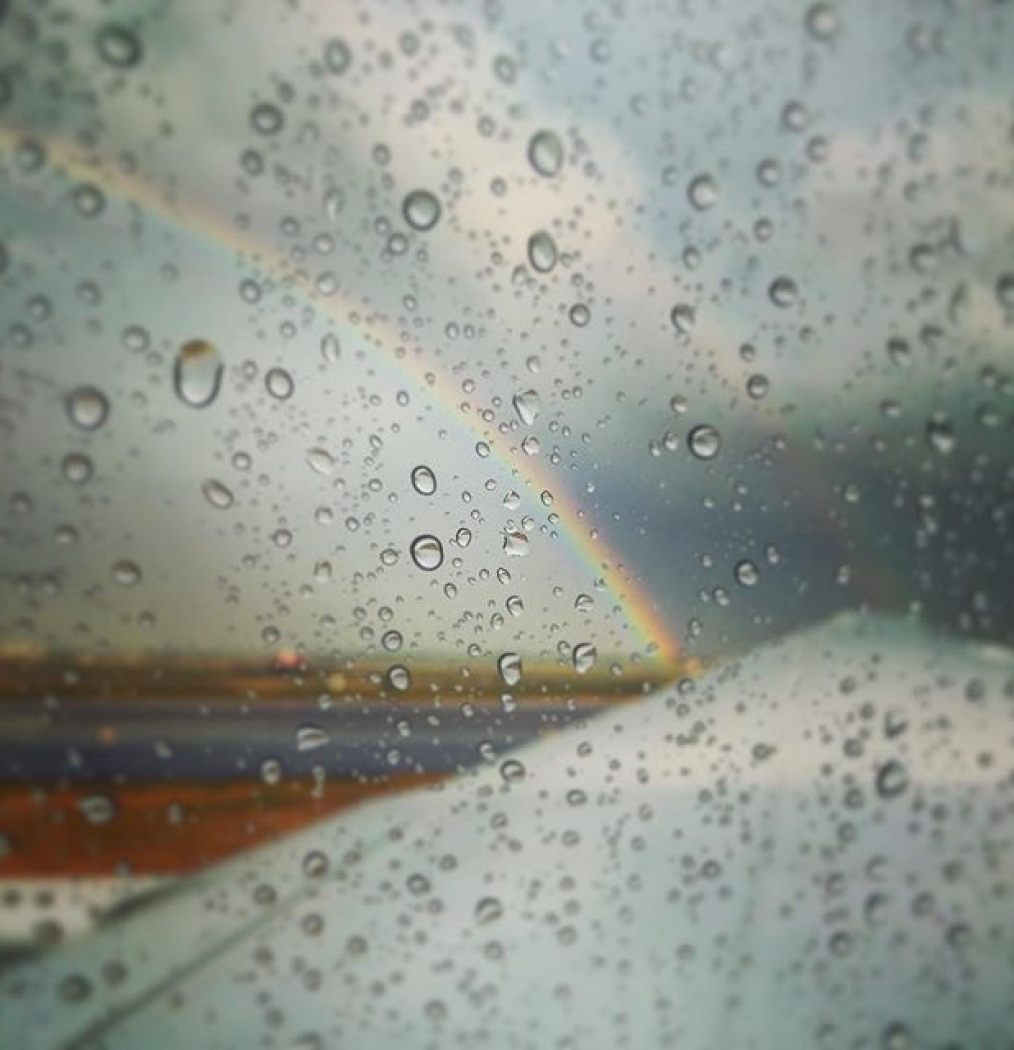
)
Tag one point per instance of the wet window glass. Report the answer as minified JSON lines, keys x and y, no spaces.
{"x":506,"y":524}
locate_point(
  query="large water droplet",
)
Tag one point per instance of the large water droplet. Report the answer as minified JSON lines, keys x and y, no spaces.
{"x":279,"y":384}
{"x":197,"y":373}
{"x":545,"y":153}
{"x":509,"y":668}
{"x":704,"y":441}
{"x":427,"y":552}
{"x":526,"y":405}
{"x":542,"y":252}
{"x":217,"y":494}
{"x":515,"y":543}
{"x":424,"y":480}
{"x":583,"y":657}
{"x":87,"y":407}
{"x":421,"y":210}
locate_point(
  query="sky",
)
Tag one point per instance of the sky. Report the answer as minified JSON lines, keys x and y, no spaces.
{"x":826,"y":202}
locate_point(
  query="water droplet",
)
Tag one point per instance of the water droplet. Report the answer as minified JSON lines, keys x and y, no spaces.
{"x":704,"y":442}
{"x":421,"y":210}
{"x":579,"y":315}
{"x":126,"y":573}
{"x":315,"y":864}
{"x":682,"y":318}
{"x":97,"y":809}
{"x":463,"y":537}
{"x":427,"y":552}
{"x":266,"y":118}
{"x":309,"y":737}
{"x":488,"y":910}
{"x":542,"y":252}
{"x":330,"y":348}
{"x":320,"y":461}
{"x":271,"y":771}
{"x":757,"y":386}
{"x":746,"y":573}
{"x":512,"y":771}
{"x":545,"y":153}
{"x":398,"y":678}
{"x":526,"y":405}
{"x":822,"y":21}
{"x":515,"y":606}
{"x":217,"y":494}
{"x":77,"y":468}
{"x":940,"y":434}
{"x":75,"y":988}
{"x":583,"y":657}
{"x":583,"y":602}
{"x":337,"y":56}
{"x":515,"y":543}
{"x":783,"y":292}
{"x":509,"y":668}
{"x":279,"y":384}
{"x":892,"y":779}
{"x":87,"y":407}
{"x":424,"y":480}
{"x":391,"y":641}
{"x":118,"y":47}
{"x":702,"y":192}
{"x":197,"y":373}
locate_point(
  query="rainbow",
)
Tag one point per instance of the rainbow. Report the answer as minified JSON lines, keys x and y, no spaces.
{"x":582,"y":538}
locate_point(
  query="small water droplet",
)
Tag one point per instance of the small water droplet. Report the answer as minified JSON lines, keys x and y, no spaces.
{"x":427,"y":552}
{"x":424,"y":480}
{"x":337,"y":56}
{"x":398,"y":678}
{"x":488,"y":910}
{"x":702,"y":192}
{"x":583,"y":657}
{"x":682,"y":318}
{"x":704,"y":442}
{"x":940,"y":434}
{"x":542,"y":252}
{"x":746,"y":573}
{"x":197,"y":373}
{"x":509,"y":668}
{"x":126,"y":573}
{"x":320,"y":461}
{"x":822,"y":21}
{"x":267,"y":118}
{"x":217,"y":494}
{"x":579,"y":315}
{"x":87,"y":407}
{"x":892,"y":779}
{"x":463,"y":537}
{"x":421,"y":210}
{"x":279,"y":384}
{"x":118,"y":47}
{"x":783,"y":292}
{"x":77,"y":468}
{"x":512,"y":771}
{"x":97,"y":809}
{"x":545,"y":153}
{"x":515,"y":543}
{"x":526,"y":405}
{"x":310,"y":737}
